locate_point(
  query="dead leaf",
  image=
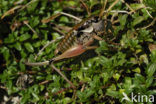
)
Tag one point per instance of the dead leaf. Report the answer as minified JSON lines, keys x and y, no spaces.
{"x":15,"y":25}
{"x":11,"y":11}
{"x":18,"y":2}
{"x":51,"y":18}
{"x":152,"y":47}
{"x":1,"y":42}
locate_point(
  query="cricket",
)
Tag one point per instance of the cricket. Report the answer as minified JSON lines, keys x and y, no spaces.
{"x":79,"y":39}
{"x":77,"y":51}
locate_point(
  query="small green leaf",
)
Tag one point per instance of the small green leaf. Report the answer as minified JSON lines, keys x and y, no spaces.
{"x":137,"y":20}
{"x":29,"y":47}
{"x":23,"y":53}
{"x":40,"y":78}
{"x":149,"y":81}
{"x":55,"y":35}
{"x":128,"y":82}
{"x":34,"y":22}
{"x":103,"y":47}
{"x":24,"y":37}
{"x":35,"y":96}
{"x":50,"y":77}
{"x":18,"y":46}
{"x":123,"y":19}
{"x":112,"y":93}
{"x":67,"y":100}
{"x":42,"y":87}
{"x":64,"y":19}
{"x":37,"y":44}
{"x":31,"y":7}
{"x":116,"y":76}
{"x":153,"y":56}
{"x":80,"y":75}
{"x":137,"y":6}
{"x":9,"y":39}
{"x":144,"y":58}
{"x":22,"y":65}
{"x":71,"y":3}
{"x":6,"y":53}
{"x":89,"y":93}
{"x":137,"y":70}
{"x":151,"y":70}
{"x":151,"y":3}
{"x":35,"y":36}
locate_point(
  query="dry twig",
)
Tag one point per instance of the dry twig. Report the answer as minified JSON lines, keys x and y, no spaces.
{"x":58,"y":14}
{"x":151,"y":24}
{"x":11,"y":11}
{"x":116,"y":1}
{"x":26,"y":23}
{"x":132,"y":10}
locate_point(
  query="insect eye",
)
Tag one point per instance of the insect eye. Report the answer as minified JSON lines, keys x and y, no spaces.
{"x":95,"y":19}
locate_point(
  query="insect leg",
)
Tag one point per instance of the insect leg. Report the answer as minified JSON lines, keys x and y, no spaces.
{"x":73,"y":51}
{"x":65,"y":78}
{"x":90,"y":47}
{"x":87,"y":8}
{"x":37,"y":63}
{"x":51,"y":64}
{"x":49,"y":43}
{"x":97,"y":37}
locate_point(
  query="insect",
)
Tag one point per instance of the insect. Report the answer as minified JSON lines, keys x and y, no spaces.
{"x":78,"y":40}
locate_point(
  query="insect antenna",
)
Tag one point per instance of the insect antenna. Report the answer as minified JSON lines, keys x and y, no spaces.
{"x":102,"y":11}
{"x":57,"y":15}
{"x":86,"y":7}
